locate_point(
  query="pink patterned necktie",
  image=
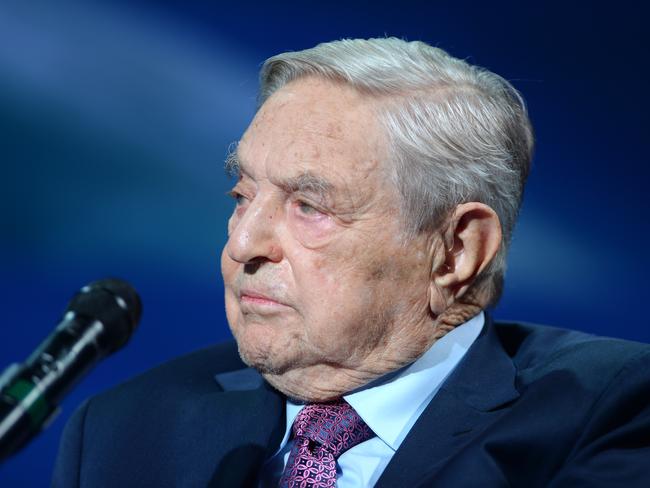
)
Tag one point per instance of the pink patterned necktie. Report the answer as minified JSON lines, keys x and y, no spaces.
{"x":321,"y":433}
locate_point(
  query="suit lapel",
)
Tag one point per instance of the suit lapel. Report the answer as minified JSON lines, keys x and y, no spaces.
{"x":251,"y":422}
{"x":476,"y":393}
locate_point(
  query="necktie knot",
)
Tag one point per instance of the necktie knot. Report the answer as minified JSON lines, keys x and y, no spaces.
{"x":336,"y":427}
{"x":321,"y":433}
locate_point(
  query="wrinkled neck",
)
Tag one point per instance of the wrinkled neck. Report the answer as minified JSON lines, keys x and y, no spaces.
{"x":326,"y":382}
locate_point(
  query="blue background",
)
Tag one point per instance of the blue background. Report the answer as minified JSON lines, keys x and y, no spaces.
{"x":115,"y":118}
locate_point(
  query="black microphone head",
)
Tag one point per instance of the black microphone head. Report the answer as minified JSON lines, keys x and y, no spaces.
{"x":115,"y":304}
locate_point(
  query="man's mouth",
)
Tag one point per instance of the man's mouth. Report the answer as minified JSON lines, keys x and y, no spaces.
{"x":253,"y":297}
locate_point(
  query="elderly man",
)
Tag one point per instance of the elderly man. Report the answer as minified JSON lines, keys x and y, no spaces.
{"x":377,"y":189}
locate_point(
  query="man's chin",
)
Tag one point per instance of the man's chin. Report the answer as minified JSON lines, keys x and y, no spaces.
{"x":263,"y":361}
{"x":292,"y":385}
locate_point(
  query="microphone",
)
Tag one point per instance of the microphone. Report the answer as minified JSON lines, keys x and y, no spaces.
{"x":98,"y":321}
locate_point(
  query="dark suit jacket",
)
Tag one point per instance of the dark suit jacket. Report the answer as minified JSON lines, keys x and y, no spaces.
{"x":528,"y":406}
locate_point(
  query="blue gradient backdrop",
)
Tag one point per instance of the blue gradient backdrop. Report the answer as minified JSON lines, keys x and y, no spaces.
{"x":115,"y":118}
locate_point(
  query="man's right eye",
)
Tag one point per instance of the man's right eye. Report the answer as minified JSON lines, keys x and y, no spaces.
{"x":239,"y":198}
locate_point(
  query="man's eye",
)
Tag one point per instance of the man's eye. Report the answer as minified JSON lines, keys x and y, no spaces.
{"x":239,"y":198}
{"x":306,"y":209}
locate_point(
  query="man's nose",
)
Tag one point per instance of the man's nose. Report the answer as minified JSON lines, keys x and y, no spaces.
{"x":254,"y":238}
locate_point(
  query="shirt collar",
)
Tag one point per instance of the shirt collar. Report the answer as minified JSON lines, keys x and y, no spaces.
{"x":391,"y":405}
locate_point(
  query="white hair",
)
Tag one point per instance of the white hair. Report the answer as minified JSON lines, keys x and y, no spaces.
{"x":457,"y":133}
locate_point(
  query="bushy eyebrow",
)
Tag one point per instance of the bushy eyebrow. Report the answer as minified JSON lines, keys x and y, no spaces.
{"x":307,"y":182}
{"x":232,"y":166}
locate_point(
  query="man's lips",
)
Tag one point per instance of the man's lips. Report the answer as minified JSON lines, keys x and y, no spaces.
{"x":255,"y":297}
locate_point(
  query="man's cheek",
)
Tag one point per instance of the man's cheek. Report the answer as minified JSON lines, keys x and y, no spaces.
{"x":325,"y":277}
{"x":319,"y":291}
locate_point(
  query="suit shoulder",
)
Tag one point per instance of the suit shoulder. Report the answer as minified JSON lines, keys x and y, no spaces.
{"x":538,"y":350}
{"x":175,"y":412}
{"x":190,"y":373}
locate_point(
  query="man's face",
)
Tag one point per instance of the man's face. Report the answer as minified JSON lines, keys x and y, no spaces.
{"x":316,"y":268}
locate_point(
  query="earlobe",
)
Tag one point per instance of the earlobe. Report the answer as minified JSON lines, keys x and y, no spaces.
{"x":475,"y":235}
{"x":439,"y":299}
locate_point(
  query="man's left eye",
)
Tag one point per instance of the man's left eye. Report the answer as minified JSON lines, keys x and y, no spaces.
{"x":306,"y":209}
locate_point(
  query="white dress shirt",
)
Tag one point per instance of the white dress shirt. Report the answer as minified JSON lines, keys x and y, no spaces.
{"x":390,"y":407}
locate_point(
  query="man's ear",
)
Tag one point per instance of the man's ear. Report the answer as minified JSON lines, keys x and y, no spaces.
{"x":471,"y":242}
